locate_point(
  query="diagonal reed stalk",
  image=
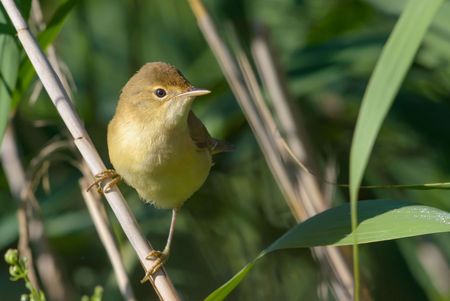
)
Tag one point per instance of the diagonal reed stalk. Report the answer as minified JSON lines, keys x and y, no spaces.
{"x":30,"y":221}
{"x":160,"y":281}
{"x":314,"y":197}
{"x":301,"y":190}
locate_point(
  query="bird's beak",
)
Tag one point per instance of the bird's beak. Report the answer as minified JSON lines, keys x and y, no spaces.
{"x":194,"y":92}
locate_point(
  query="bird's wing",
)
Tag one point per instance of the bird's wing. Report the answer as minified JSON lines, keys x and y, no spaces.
{"x":203,"y":139}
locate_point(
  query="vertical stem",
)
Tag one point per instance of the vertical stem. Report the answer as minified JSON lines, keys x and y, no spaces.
{"x":355,"y":247}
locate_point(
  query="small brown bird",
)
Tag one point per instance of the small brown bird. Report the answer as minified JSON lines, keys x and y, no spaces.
{"x":157,"y":144}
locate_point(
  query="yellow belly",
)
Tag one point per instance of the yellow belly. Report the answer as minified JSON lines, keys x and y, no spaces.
{"x":164,"y":169}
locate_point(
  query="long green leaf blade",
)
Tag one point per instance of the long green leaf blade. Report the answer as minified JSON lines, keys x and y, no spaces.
{"x":395,"y":60}
{"x":380,"y":220}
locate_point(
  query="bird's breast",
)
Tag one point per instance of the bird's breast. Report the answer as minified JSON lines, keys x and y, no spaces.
{"x":162,"y":164}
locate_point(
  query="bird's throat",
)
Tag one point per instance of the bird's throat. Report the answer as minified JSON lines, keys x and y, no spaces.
{"x":177,"y":112}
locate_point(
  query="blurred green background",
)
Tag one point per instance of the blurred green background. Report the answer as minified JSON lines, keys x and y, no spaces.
{"x":327,"y":51}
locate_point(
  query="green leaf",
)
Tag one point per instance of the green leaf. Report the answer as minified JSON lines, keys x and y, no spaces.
{"x":9,"y":66}
{"x":380,"y":220}
{"x":222,"y":292}
{"x":45,"y":38}
{"x":395,"y":60}
{"x":5,"y":28}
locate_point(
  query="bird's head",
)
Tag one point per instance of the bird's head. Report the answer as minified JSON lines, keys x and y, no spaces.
{"x":160,"y":90}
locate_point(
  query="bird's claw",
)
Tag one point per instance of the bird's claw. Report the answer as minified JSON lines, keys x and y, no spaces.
{"x":108,"y":174}
{"x":159,"y":259}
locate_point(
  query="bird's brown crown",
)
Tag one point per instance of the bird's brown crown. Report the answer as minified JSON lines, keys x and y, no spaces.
{"x":156,"y":74}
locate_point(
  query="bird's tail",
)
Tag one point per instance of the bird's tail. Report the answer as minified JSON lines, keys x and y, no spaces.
{"x":220,"y":146}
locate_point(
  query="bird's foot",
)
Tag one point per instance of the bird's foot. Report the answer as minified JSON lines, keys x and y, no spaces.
{"x":159,"y":259}
{"x":108,"y":174}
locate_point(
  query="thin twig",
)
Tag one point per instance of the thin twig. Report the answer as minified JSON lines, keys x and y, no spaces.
{"x":298,"y":140}
{"x":50,"y":153}
{"x":100,"y":219}
{"x":11,"y":163}
{"x":60,"y":99}
{"x":234,"y":78}
{"x":283,"y":109}
{"x":290,"y":125}
{"x":269,"y":125}
{"x":31,"y":227}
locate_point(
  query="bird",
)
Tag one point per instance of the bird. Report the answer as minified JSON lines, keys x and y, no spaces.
{"x":157,"y":145}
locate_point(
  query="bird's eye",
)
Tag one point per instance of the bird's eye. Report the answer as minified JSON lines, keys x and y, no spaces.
{"x":160,"y":92}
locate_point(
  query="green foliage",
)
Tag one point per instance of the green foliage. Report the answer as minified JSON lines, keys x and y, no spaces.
{"x":96,"y":296}
{"x":17,"y":68}
{"x":18,"y":271}
{"x":45,"y":38}
{"x":391,"y":68}
{"x":395,"y":60}
{"x":379,"y":220}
